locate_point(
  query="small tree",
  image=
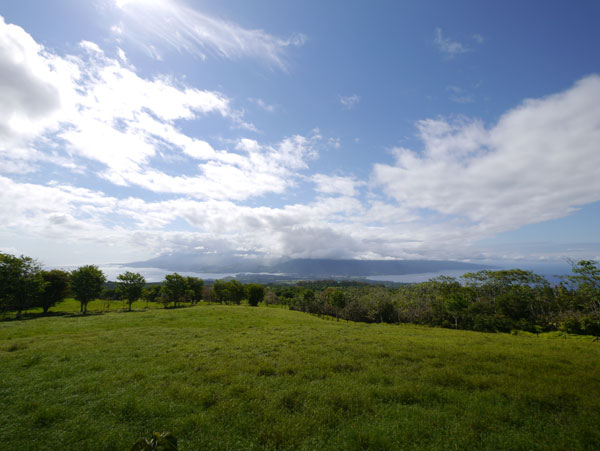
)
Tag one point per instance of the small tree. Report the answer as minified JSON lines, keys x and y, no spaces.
{"x":151,"y":293}
{"x":208,"y":294}
{"x":21,"y":282}
{"x":220,"y":289}
{"x":256,"y":293}
{"x":270,"y":297}
{"x":338,"y":301}
{"x":236,"y":291}
{"x":56,"y":289}
{"x":175,"y":287}
{"x":130,"y":285}
{"x":86,"y":284}
{"x":196,"y":285}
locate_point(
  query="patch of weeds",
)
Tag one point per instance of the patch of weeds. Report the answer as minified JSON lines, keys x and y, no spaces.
{"x":209,"y":400}
{"x":292,"y":401}
{"x":346,"y":367}
{"x":266,"y":371}
{"x":390,"y":395}
{"x":15,"y":347}
{"x":47,"y":416}
{"x":32,"y":361}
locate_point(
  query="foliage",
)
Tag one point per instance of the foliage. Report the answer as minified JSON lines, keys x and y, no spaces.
{"x":21,"y":283}
{"x":151,"y":293}
{"x":256,"y":294}
{"x":231,"y":292}
{"x":56,"y":288}
{"x":130,"y":286}
{"x":196,"y":286}
{"x":174,"y":288}
{"x":165,"y":441}
{"x":86,"y":284}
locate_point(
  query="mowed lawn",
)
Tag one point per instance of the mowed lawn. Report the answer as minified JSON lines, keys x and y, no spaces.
{"x":236,"y":377}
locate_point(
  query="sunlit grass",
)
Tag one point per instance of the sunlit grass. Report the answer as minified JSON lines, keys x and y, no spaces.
{"x":236,"y":377}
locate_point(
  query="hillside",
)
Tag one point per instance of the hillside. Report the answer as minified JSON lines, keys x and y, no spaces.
{"x":235,"y":377}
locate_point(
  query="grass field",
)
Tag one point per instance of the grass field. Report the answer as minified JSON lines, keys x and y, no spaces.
{"x":236,"y":377}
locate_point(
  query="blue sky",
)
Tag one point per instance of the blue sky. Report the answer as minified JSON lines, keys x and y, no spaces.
{"x":439,"y":130}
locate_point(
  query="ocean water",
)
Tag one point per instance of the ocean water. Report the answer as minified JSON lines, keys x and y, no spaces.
{"x":552,"y":271}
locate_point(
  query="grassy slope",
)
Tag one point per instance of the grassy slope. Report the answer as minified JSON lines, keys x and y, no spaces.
{"x":223,"y":377}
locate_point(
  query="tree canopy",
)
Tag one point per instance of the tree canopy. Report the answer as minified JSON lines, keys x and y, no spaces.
{"x":86,"y":284}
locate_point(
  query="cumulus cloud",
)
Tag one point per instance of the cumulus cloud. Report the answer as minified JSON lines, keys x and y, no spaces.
{"x":106,"y":113}
{"x":537,"y":163}
{"x":31,"y":84}
{"x":172,"y":23}
{"x":470,"y":181}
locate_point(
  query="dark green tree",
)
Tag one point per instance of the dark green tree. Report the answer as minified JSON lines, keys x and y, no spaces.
{"x":586,"y":281}
{"x":255,"y":293}
{"x":151,"y":293}
{"x":220,"y":289}
{"x":86,"y":284}
{"x":130,"y":285}
{"x":236,"y":292}
{"x":196,"y":285}
{"x":174,"y":288}
{"x":21,"y":282}
{"x":56,"y":289}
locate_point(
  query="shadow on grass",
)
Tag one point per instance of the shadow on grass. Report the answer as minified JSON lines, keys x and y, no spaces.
{"x":26,"y":316}
{"x":36,"y":315}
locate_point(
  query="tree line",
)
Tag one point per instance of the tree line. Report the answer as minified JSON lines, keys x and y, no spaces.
{"x":484,"y":301}
{"x":492,"y":301}
{"x":24,"y":284}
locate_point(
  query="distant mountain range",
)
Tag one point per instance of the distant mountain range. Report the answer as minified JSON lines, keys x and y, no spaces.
{"x":301,"y":268}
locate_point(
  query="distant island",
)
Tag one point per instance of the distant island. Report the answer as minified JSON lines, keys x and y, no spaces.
{"x":302,"y":268}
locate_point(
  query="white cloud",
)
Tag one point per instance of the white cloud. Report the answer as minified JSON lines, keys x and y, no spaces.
{"x":31,"y":85}
{"x":349,"y":102}
{"x":179,"y":26}
{"x":107,"y":113}
{"x":539,"y":162}
{"x":447,"y":46}
{"x":332,"y":184}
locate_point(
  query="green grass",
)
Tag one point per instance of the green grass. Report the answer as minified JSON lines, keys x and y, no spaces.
{"x":236,"y":377}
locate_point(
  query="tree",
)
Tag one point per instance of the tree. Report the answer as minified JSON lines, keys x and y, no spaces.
{"x":236,"y":291}
{"x":221,"y":291}
{"x":130,"y":285}
{"x":151,"y":293}
{"x":338,"y":301}
{"x":56,"y":289}
{"x":196,"y":285}
{"x":228,"y":292}
{"x":256,"y":293}
{"x":86,"y":284}
{"x":175,"y":287}
{"x":586,"y":279}
{"x":21,"y":282}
